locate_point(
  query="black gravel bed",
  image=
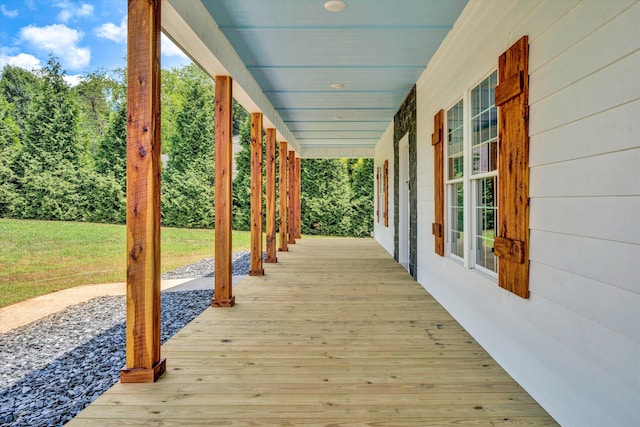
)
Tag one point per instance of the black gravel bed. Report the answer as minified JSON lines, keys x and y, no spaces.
{"x":53,"y":368}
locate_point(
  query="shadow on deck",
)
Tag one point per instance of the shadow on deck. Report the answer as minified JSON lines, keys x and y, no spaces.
{"x":336,"y":333}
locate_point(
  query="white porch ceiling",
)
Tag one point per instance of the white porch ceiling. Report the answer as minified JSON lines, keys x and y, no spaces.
{"x":284,"y":55}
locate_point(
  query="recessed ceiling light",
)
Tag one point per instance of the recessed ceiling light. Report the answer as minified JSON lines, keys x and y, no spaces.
{"x":335,"y":6}
{"x":337,"y":118}
{"x":337,"y":85}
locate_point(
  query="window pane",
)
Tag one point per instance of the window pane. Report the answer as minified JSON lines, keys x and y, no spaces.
{"x":455,"y":141}
{"x":484,"y":127}
{"x":456,"y":219}
{"x":484,"y":157}
{"x":485,"y":212}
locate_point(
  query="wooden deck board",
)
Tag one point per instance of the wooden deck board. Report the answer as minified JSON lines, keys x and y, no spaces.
{"x":335,"y":334}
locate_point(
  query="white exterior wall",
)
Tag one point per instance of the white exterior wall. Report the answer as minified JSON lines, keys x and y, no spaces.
{"x":384,"y":151}
{"x":574,"y":345}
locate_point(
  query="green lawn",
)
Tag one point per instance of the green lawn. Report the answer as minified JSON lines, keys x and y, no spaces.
{"x":39,"y":257}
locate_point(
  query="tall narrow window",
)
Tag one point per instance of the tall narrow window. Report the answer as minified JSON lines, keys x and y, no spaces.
{"x":484,"y":172}
{"x":386,"y":192}
{"x":380,"y":198}
{"x":455,"y":179}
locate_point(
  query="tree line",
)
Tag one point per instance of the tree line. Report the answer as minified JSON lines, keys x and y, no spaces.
{"x":63,"y":155}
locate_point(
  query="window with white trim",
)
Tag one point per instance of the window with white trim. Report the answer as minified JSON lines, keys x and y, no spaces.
{"x":455,"y":180}
{"x":471,"y":177}
{"x":380,"y":199}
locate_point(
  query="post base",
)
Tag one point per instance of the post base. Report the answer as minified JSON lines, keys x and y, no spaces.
{"x":227,"y":302}
{"x":271,"y":260}
{"x":283,"y":249}
{"x":256,"y":272}
{"x":291,"y":242}
{"x":143,"y":375}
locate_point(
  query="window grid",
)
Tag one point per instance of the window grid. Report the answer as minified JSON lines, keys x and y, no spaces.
{"x":484,"y":128}
{"x":455,"y":180}
{"x":471,"y":186}
{"x":380,"y":194}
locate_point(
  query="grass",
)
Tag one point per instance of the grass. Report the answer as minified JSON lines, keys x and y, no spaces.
{"x":39,"y":257}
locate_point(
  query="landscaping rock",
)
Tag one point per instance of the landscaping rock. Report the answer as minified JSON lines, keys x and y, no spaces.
{"x":53,"y":368}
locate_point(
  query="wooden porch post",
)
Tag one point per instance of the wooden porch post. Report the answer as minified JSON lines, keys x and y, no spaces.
{"x":256,"y":195}
{"x":271,"y":196}
{"x":283,"y":197}
{"x":298,"y":195}
{"x":223,"y":291}
{"x":143,"y":362}
{"x":292,"y":198}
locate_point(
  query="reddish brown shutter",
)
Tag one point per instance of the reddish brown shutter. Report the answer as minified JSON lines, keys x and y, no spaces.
{"x":512,"y":100}
{"x":437,"y":139}
{"x":386,"y":193}
{"x":378,"y":194}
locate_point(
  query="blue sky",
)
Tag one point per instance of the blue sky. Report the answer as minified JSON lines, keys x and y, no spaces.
{"x":83,"y":35}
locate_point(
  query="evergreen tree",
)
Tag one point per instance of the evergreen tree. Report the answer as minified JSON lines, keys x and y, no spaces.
{"x":9,"y":150}
{"x":111,"y":156}
{"x":325,"y":197}
{"x":361,"y":182}
{"x":188,"y":182}
{"x":52,"y":123}
{"x":95,"y":94}
{"x":242,"y":181}
{"x":18,"y":87}
{"x":52,"y":155}
{"x":111,"y":171}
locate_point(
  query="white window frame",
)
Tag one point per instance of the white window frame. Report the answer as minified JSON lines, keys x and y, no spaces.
{"x":380,"y":200}
{"x":449,"y":183}
{"x":468,"y":180}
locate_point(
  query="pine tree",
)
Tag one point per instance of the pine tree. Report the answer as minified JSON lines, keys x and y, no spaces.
{"x":325,"y":197}
{"x":361,"y":182}
{"x":52,"y":157}
{"x":111,"y":156}
{"x":18,"y":87}
{"x":242,"y":181}
{"x":188,"y":181}
{"x":9,"y":151}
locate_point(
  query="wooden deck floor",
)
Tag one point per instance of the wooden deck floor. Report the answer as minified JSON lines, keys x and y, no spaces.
{"x":335,"y":334}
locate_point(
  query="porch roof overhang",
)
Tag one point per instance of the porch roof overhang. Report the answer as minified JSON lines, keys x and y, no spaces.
{"x":285,"y":55}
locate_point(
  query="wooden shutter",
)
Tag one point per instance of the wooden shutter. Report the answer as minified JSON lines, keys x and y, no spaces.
{"x":512,"y":234}
{"x":378,"y":201}
{"x":437,"y":140}
{"x":386,"y":193}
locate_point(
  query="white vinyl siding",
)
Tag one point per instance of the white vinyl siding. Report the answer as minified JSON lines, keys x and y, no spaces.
{"x":384,"y":151}
{"x":575,"y":343}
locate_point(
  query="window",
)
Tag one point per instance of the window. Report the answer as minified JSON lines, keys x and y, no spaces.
{"x":382,"y":182}
{"x":471,"y":177}
{"x":380,"y":193}
{"x":484,"y":172}
{"x":455,"y":179}
{"x":485,"y":165}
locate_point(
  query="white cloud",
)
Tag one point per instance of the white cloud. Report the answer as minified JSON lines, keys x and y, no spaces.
{"x":59,"y":40}
{"x":168,"y":48}
{"x":73,"y":80}
{"x":71,"y":10}
{"x":8,"y":13}
{"x":111,"y":31}
{"x":22,"y":60}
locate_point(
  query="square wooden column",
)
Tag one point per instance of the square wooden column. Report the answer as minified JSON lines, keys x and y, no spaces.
{"x":223,"y":291}
{"x":283,"y":197}
{"x":256,"y":195}
{"x":298,"y":199}
{"x":292,"y":198}
{"x":271,"y":196}
{"x":143,"y":362}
